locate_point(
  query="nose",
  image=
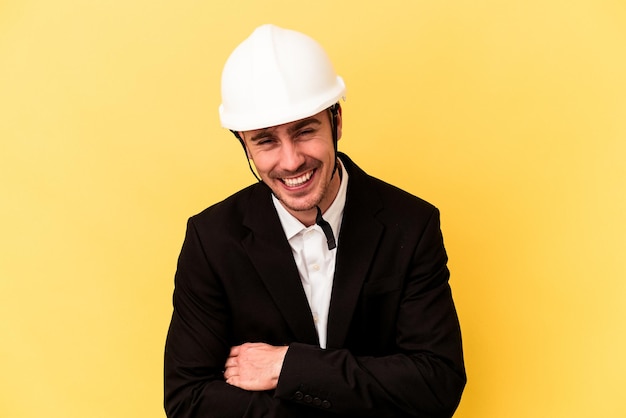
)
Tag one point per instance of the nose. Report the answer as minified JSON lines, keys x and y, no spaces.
{"x":291,"y":157}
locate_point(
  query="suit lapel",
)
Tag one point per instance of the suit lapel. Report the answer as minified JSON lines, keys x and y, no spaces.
{"x":358,"y":239}
{"x":271,"y":255}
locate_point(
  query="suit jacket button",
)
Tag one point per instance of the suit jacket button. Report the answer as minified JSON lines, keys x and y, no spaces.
{"x":326,"y":404}
{"x":317,"y":401}
{"x":308,"y":398}
{"x":298,"y":396}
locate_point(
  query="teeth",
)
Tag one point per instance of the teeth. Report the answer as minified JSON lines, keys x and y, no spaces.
{"x":298,"y":181}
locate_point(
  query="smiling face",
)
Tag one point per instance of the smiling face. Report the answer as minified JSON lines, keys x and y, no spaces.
{"x":296,"y":160}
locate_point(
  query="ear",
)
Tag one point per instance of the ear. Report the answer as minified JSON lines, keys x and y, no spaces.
{"x":339,"y":121}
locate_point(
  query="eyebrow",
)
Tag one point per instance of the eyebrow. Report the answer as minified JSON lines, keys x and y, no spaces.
{"x":265,"y":133}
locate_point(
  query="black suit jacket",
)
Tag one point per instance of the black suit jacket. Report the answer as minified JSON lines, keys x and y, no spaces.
{"x":394,"y":343}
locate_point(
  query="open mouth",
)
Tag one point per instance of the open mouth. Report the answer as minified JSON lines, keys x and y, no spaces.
{"x":298,"y":181}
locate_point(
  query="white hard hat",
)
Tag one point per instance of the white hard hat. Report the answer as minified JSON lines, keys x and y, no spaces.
{"x":276,"y":76}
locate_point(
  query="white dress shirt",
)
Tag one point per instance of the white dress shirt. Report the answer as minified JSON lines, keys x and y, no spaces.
{"x":316,"y":263}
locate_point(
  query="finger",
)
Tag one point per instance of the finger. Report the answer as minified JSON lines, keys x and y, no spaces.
{"x":234,"y":351}
{"x":232,"y":381}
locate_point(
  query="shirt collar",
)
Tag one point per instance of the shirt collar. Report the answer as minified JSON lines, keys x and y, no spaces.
{"x":333,"y":214}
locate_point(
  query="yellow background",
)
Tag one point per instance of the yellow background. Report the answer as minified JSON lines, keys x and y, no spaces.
{"x":510,"y":116}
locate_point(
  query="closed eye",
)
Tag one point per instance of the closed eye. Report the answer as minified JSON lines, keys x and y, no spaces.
{"x":306,"y":132}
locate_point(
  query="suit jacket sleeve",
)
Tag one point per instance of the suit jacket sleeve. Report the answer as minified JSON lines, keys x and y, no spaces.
{"x":196,"y":344}
{"x":425,"y":375}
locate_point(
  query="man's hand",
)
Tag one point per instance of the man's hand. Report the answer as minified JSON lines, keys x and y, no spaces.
{"x":254,"y":366}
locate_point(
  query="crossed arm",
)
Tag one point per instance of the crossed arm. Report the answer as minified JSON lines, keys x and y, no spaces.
{"x":259,"y":380}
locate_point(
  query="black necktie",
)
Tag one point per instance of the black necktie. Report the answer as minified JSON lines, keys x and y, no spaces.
{"x":328,"y":231}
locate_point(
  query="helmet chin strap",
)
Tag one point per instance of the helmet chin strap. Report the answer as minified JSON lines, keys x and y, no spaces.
{"x":319,"y":220}
{"x":323,"y":223}
{"x":328,"y":231}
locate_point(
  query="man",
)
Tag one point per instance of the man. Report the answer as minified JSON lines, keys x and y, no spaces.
{"x":319,"y":291}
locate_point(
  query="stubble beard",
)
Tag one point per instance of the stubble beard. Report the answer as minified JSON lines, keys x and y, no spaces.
{"x":305,"y":206}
